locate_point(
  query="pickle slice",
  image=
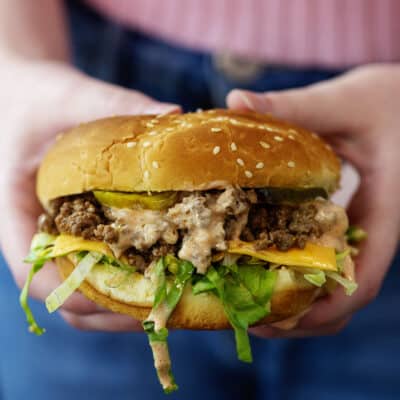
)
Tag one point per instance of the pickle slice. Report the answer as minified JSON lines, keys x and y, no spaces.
{"x":157,"y":201}
{"x":289,"y":196}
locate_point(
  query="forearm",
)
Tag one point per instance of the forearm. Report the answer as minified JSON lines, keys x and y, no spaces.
{"x":33,"y":30}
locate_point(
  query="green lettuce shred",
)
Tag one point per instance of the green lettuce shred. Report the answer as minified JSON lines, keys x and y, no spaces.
{"x":340,"y":257}
{"x":349,"y":286}
{"x":166,"y":298}
{"x":245,"y":292}
{"x":23,"y":301}
{"x":41,"y":247}
{"x":59,"y":295}
{"x":39,"y":252}
{"x":317,"y":278}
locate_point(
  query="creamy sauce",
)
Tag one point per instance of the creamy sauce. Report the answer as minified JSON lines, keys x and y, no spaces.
{"x":201,"y":217}
{"x":162,"y":363}
{"x":334,"y":223}
{"x":208,"y":221}
{"x":160,"y":316}
{"x":141,"y":229}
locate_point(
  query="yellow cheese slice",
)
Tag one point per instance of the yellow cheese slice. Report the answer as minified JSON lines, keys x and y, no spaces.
{"x":65,"y":244}
{"x":312,"y":256}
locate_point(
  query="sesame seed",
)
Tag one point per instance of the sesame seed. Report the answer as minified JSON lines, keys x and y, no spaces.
{"x":291,"y":164}
{"x":211,"y":111}
{"x":189,"y":125}
{"x":216,"y":150}
{"x":130,"y":144}
{"x":199,"y":110}
{"x":248,"y":174}
{"x":216,"y":129}
{"x":146,"y":174}
{"x":170,"y":129}
{"x":240,"y":162}
{"x":234,"y":121}
{"x":260,"y":165}
{"x":146,"y":144}
{"x":314,"y":135}
{"x":150,"y":125}
{"x":251,"y":126}
{"x":291,"y":137}
{"x":328,"y":147}
{"x":233,"y":146}
{"x":265,"y":145}
{"x":155,"y":164}
{"x":266,"y":128}
{"x":278,"y":138}
{"x":155,"y":121}
{"x":153,"y":133}
{"x":292,"y":131}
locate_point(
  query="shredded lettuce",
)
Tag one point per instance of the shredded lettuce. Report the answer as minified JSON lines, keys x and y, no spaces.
{"x":41,"y":248}
{"x":349,"y":286}
{"x":317,"y":278}
{"x":23,"y":301}
{"x":245,"y":292}
{"x":107,"y":260}
{"x":59,"y":295}
{"x":39,"y":253}
{"x":340,"y":257}
{"x":165,"y":300}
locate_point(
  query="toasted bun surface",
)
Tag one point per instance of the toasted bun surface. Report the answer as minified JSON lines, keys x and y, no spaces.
{"x":134,"y":297}
{"x":196,"y":151}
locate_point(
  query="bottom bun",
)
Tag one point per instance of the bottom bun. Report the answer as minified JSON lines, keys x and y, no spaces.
{"x":134,"y":295}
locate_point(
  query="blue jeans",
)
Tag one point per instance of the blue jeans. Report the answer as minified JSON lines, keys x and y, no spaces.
{"x":359,"y":363}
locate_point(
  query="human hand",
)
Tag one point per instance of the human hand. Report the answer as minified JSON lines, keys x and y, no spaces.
{"x":358,"y":113}
{"x":40,"y":100}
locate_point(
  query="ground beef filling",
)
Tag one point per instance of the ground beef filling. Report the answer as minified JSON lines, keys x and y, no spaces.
{"x":280,"y":225}
{"x":283,"y":226}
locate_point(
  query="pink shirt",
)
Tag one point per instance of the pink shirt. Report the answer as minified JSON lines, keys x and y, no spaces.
{"x":333,"y":33}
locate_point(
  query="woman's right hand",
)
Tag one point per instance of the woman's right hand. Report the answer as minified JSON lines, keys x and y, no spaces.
{"x":38,"y":101}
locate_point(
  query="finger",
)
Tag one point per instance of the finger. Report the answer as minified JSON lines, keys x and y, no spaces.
{"x":105,"y":322}
{"x":323,"y":107}
{"x":107,"y":100}
{"x":326,"y":330}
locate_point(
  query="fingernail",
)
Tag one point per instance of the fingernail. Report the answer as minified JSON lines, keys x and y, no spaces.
{"x":255,"y":102}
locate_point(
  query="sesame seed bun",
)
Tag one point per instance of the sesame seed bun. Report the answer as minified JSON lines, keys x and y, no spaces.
{"x":134,"y":297}
{"x":196,"y":151}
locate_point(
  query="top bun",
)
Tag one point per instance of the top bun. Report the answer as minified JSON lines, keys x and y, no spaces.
{"x":196,"y":151}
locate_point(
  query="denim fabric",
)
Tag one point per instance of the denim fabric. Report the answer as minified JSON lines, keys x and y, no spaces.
{"x":358,"y":364}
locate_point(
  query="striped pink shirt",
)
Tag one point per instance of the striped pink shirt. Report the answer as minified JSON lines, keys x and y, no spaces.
{"x":334,"y":33}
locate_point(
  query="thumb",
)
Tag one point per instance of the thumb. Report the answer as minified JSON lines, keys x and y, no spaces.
{"x":100,"y":99}
{"x":320,"y":107}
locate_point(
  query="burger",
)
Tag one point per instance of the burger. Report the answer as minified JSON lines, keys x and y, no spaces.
{"x":205,"y":220}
